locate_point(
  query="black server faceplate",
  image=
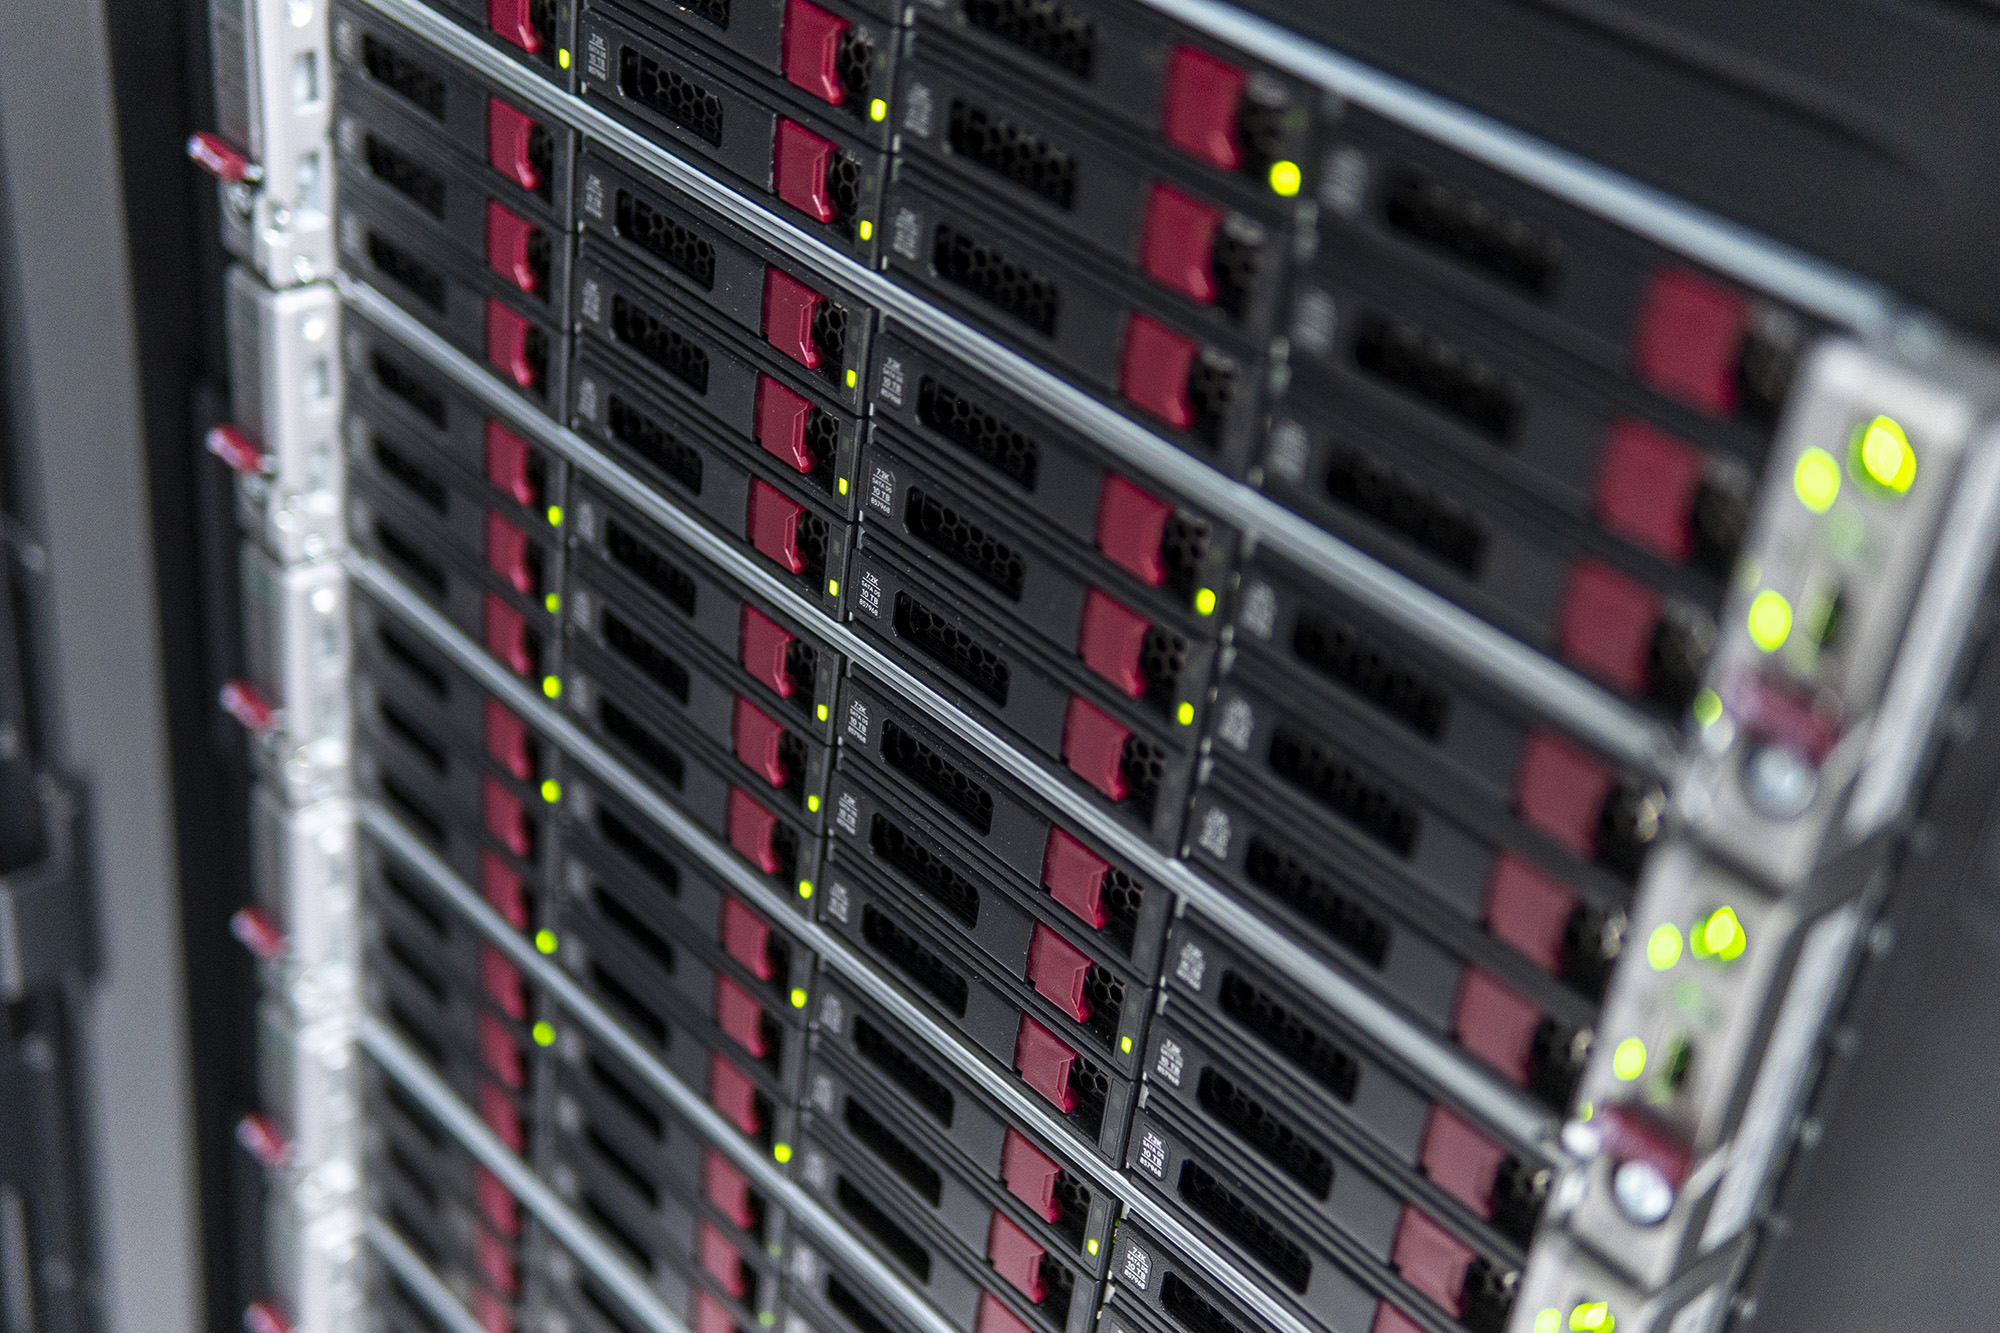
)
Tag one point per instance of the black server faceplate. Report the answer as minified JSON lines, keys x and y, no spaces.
{"x":958,"y":1275}
{"x":1306,"y":827}
{"x":829,"y":57}
{"x":449,"y":940}
{"x":525,"y":558}
{"x":1082,"y":500}
{"x":470,"y":113}
{"x":1130,"y":347}
{"x":785,"y":768}
{"x":822,"y":172}
{"x":821,"y":327}
{"x":505,"y":1105}
{"x":601,"y":1107}
{"x":1113,"y":923}
{"x":481,"y":1267}
{"x":520,"y":634}
{"x":453,"y":203}
{"x":1174,"y":87}
{"x":662,"y":1233}
{"x":1116,"y":755}
{"x":450,"y":1182}
{"x":796,"y":525}
{"x":1041,"y":1198}
{"x":1149,"y":647}
{"x":617,"y":869}
{"x":619,"y":641}
{"x":925,"y":1084}
{"x":1574,"y":280}
{"x":1087,"y":1006}
{"x":537,"y":33}
{"x":1164,"y":222}
{"x":488,"y":831}
{"x":821,"y":1297}
{"x":466,"y":1000}
{"x":1219,"y":1001}
{"x":517,"y":337}
{"x":793,"y":532}
{"x":644,"y":568}
{"x":394,"y":390}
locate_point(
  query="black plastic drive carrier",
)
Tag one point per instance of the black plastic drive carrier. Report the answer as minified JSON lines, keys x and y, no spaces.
{"x":454,"y":1213}
{"x":822,"y":1297}
{"x":795,"y":523}
{"x":586,"y":1304}
{"x":534,"y":32}
{"x":766,"y":829}
{"x":1083,"y":1005}
{"x":1157,"y":1290}
{"x":759,"y":400}
{"x":1138,"y":540}
{"x":484,"y":315}
{"x":1134,"y":349}
{"x":1564,"y":584}
{"x":1150,"y":650}
{"x":1175,"y":87}
{"x":786,"y":766}
{"x":534,"y":154}
{"x":1000,"y":1263}
{"x":456,"y":207}
{"x":1575,"y":281}
{"x":1219,"y":246}
{"x":518,"y":631}
{"x":826,"y":57}
{"x":819,"y":326}
{"x":1548,"y":911}
{"x":399,"y":394}
{"x":1121,"y":755}
{"x":1045,"y":1205}
{"x":618,"y":867}
{"x":668,"y":1237}
{"x":791,"y":672}
{"x":1224,"y":1008}
{"x":822,"y":169}
{"x":631,"y":651}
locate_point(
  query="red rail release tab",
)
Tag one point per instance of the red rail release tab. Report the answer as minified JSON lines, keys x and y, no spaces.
{"x":1016,"y":1256}
{"x":1074,"y":876}
{"x":1431,"y":1259}
{"x":739,"y":1015}
{"x":1132,"y":528}
{"x":746,"y":937}
{"x":1111,"y":640}
{"x":812,"y":50}
{"x":1647,"y":485}
{"x":508,"y":742}
{"x":1495,"y":1024}
{"x":1030,"y":1175}
{"x":760,"y":743}
{"x":764,"y":648}
{"x":1606,"y":625}
{"x":506,"y":818}
{"x":1199,"y":106}
{"x":503,"y":890}
{"x":502,"y":982}
{"x":731,"y":1092}
{"x":508,"y":636}
{"x":1093,"y":745}
{"x":509,"y":466}
{"x":508,"y":339}
{"x":773,"y":523}
{"x":1154,"y":368}
{"x":1177,"y":243}
{"x":720,"y":1261}
{"x":1460,"y":1160}
{"x":789,"y":308}
{"x":514,"y":22}
{"x":1561,"y":790}
{"x":1060,"y":972}
{"x":753,"y":832}
{"x":1044,"y":1064}
{"x":728,"y":1189}
{"x":1690,"y":338}
{"x":1529,"y":909}
{"x":510,"y":245}
{"x":510,"y":145}
{"x":509,"y":555}
{"x":995,"y":1317}
{"x":782,"y":419}
{"x":800,"y":160}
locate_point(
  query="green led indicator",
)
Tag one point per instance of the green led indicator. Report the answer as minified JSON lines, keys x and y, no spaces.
{"x":1720,"y":936}
{"x":1816,"y":480}
{"x":552,"y":686}
{"x":1707,"y":708}
{"x":782,"y":1151}
{"x":1592,"y":1317}
{"x":545,"y":940}
{"x":1883,"y":455}
{"x":1770,"y":620}
{"x":1663,"y":946}
{"x":1628,"y":1061}
{"x":551,"y":790}
{"x":544,"y":1034}
{"x":1548,"y":1321}
{"x":798,"y":998}
{"x":555,"y":516}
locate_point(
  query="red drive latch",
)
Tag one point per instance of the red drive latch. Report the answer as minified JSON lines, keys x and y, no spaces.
{"x":746,"y":937}
{"x":789,"y":309}
{"x":496,"y":1261}
{"x":799,"y":163}
{"x":496,"y":1204}
{"x":506,"y":819}
{"x":1016,"y":1256}
{"x":510,"y":138}
{"x":1044,"y":1064}
{"x":258,"y":933}
{"x":502,"y":983}
{"x":739,"y":1015}
{"x":812,"y":50}
{"x":753,"y":832}
{"x":1111,"y":640}
{"x":215,"y":155}
{"x":508,"y":742}
{"x":1177,"y":243}
{"x":994,"y":1317}
{"x":260,"y":1136}
{"x":731,"y":1092}
{"x":720,"y":1261}
{"x":1460,"y":1160}
{"x":264,"y":1317}
{"x":235,"y":448}
{"x":514,"y":21}
{"x":1495,"y":1024}
{"x":711,"y":1315}
{"x":782,"y":419}
{"x":1530,"y":910}
{"x":508,"y":336}
{"x":764,"y":647}
{"x":509,"y":466}
{"x":1074,"y":876}
{"x":1199,"y":106}
{"x":728,"y":1189}
{"x":510,"y":240}
{"x":1432,"y":1260}
{"x":760,"y":743}
{"x":1030,"y":1175}
{"x":774,"y":526}
{"x":502,"y":1116}
{"x":1154,"y":368}
{"x":1774,"y":714}
{"x":1131,"y":527}
{"x":1561,"y":790}
{"x":1060,"y":972}
{"x":241,"y":701}
{"x":1093,"y":745}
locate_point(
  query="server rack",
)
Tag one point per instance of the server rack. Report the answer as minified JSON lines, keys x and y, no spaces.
{"x":1004,"y":665}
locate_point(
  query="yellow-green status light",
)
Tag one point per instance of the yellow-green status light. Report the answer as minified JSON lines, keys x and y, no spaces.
{"x":878,"y":110}
{"x":551,"y":790}
{"x":782,"y":1151}
{"x":1592,"y":1317}
{"x":1663,"y":946}
{"x":552,"y":686}
{"x":1721,"y":936}
{"x":1770,"y":620}
{"x":1628,"y":1061}
{"x":1204,"y":601}
{"x":1816,"y":480}
{"x":1883,"y":455}
{"x":798,"y":998}
{"x":545,"y":940}
{"x":1707,"y":708}
{"x":1548,"y":1321}
{"x":1285,"y":178}
{"x":544,"y":1034}
{"x":555,"y":516}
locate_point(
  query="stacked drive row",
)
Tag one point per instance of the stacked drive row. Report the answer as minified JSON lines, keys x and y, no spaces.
{"x":1003,"y":670}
